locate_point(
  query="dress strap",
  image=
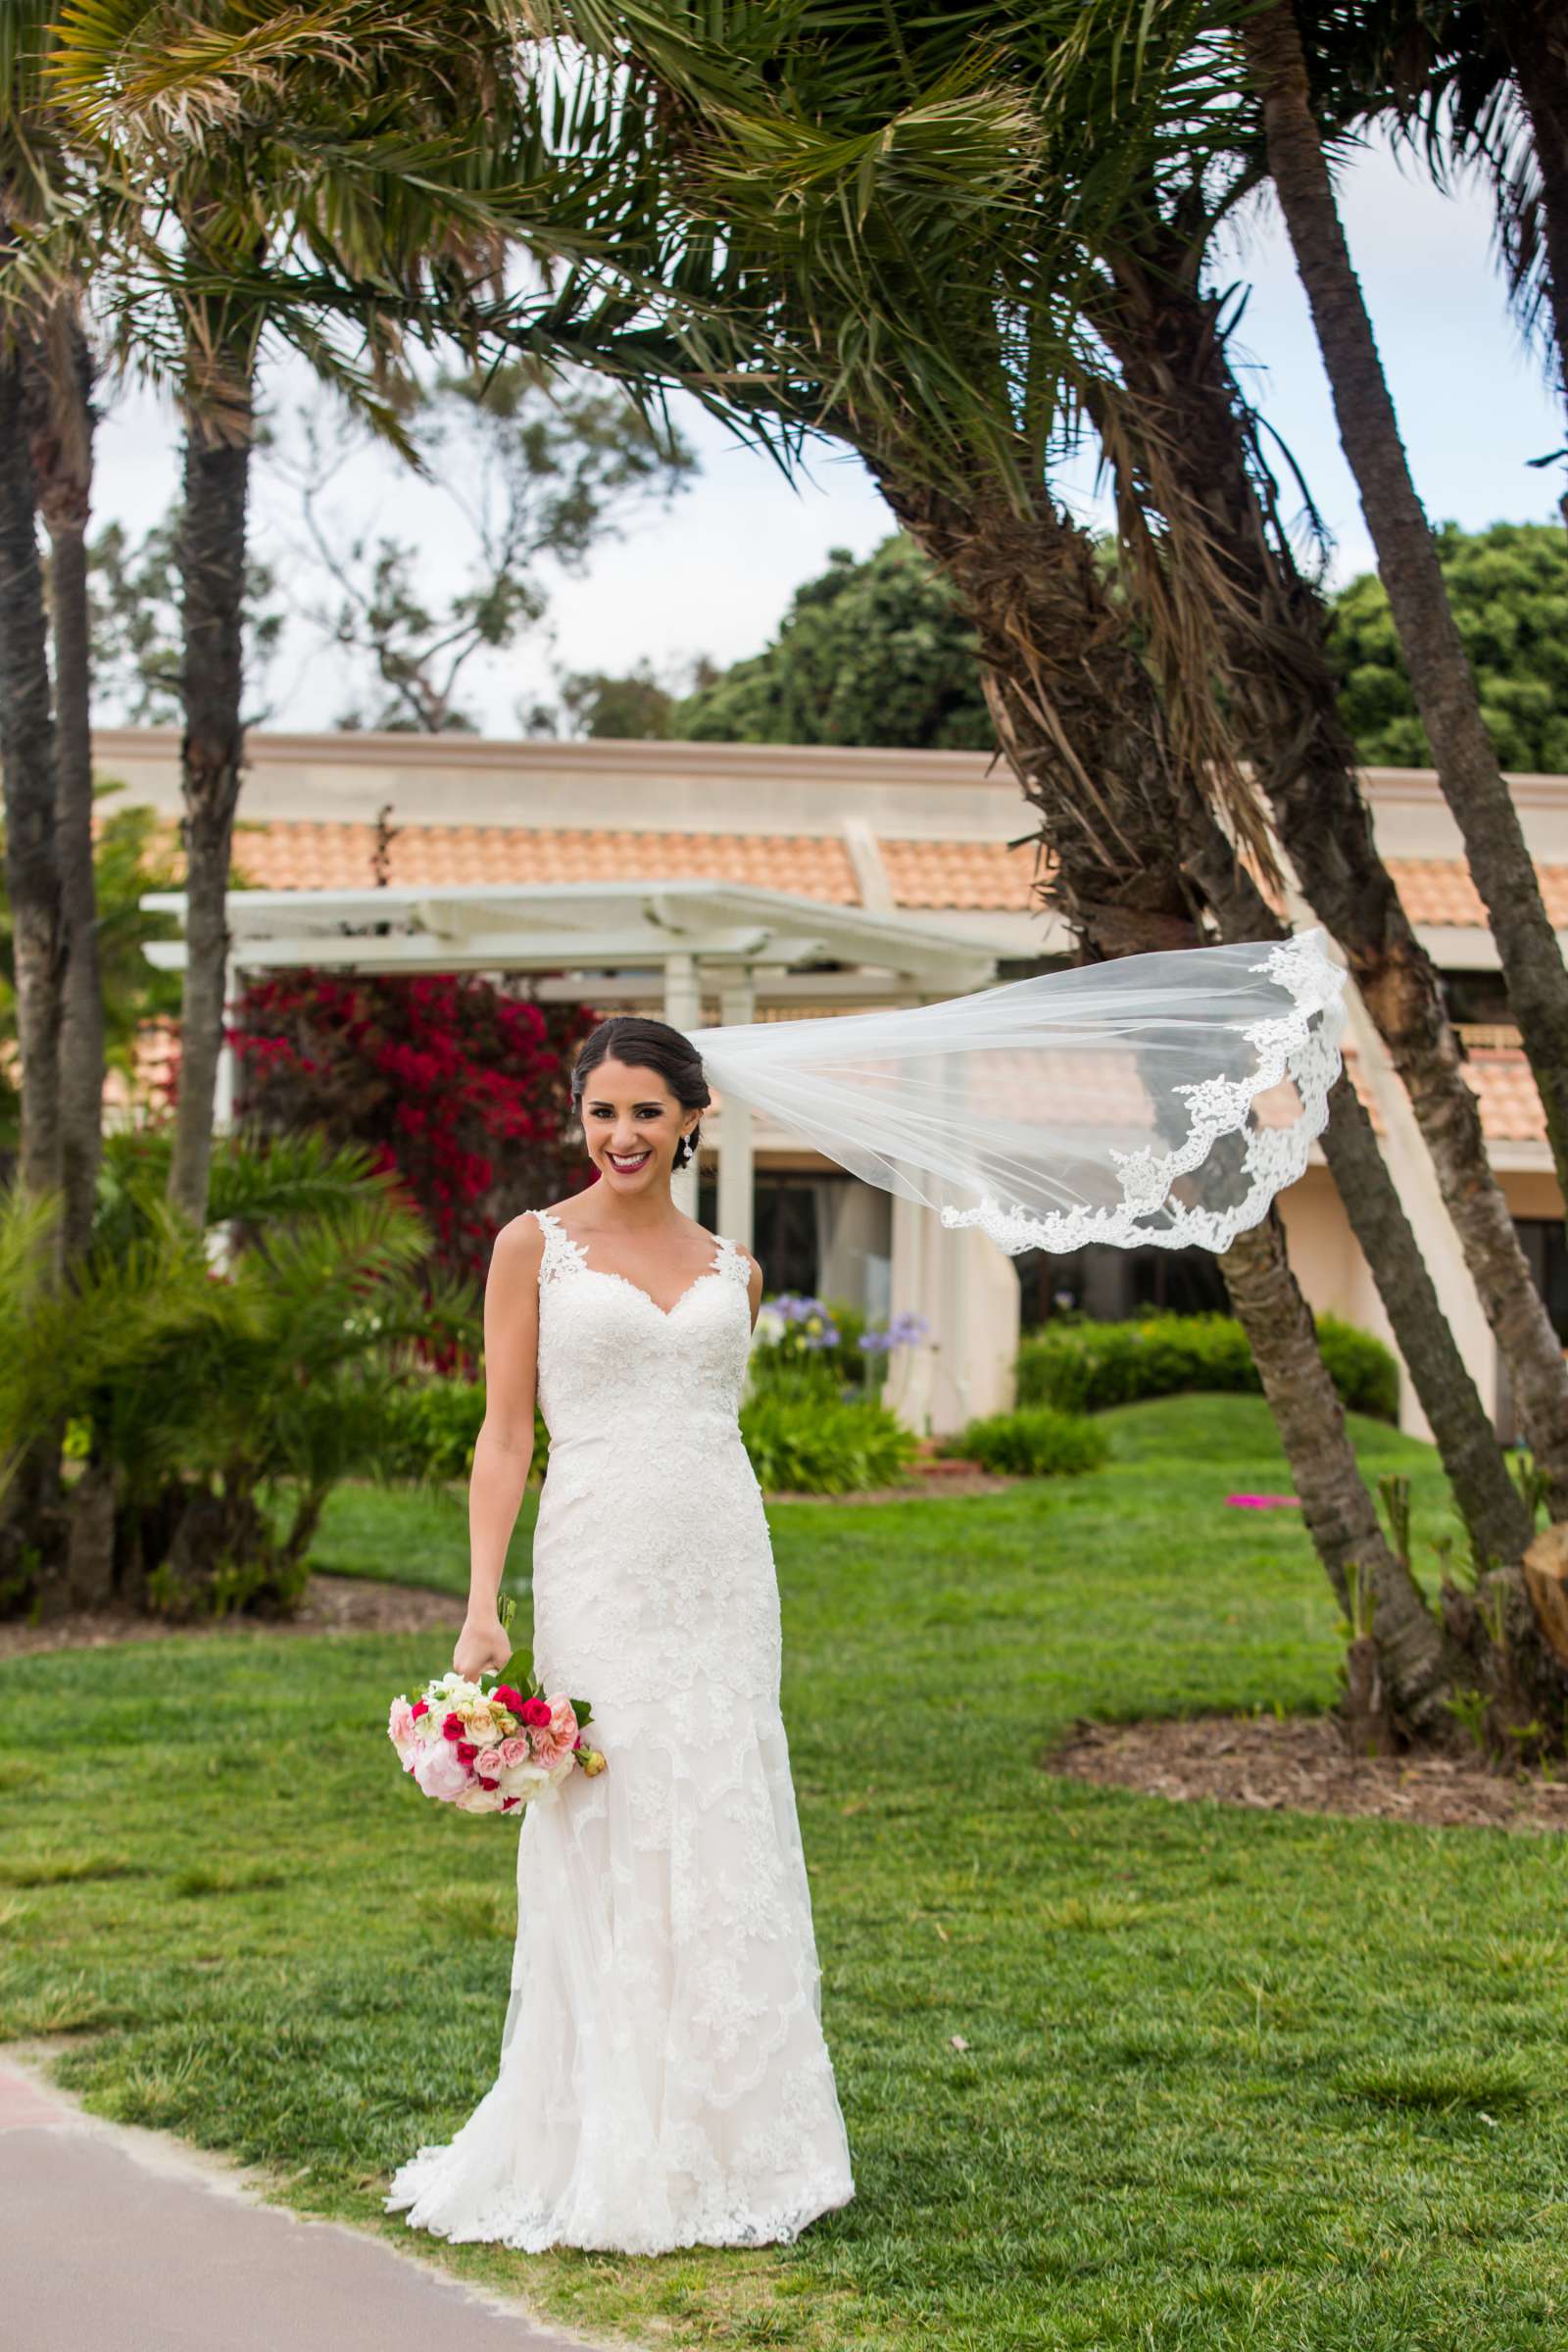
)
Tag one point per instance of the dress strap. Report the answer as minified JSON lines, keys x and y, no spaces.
{"x":562,"y":1254}
{"x":731,"y":1259}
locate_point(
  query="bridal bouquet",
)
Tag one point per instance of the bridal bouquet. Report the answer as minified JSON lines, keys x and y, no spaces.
{"x":492,"y":1751}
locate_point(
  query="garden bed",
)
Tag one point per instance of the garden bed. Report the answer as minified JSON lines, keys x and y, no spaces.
{"x":331,"y":1604}
{"x":1301,"y":1764}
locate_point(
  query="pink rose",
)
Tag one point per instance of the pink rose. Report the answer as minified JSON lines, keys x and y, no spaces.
{"x":489,"y":1764}
{"x":513,"y":1752}
{"x":400,"y":1723}
{"x":438,"y":1772}
{"x":559,"y":1737}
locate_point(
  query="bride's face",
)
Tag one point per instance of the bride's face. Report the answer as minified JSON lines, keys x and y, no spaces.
{"x":632,"y":1123}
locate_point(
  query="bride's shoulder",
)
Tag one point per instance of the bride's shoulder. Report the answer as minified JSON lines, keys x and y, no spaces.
{"x":520,"y":1244}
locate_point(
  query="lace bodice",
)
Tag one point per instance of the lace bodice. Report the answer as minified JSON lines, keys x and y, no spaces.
{"x":610,"y":1358}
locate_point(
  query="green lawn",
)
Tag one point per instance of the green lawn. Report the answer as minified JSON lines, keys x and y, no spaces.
{"x":1232,"y":2079}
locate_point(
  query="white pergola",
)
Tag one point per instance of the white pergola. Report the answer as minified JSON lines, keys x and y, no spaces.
{"x":673,"y":944}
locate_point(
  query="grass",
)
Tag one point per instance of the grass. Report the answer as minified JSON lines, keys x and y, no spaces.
{"x":1228,"y":2079}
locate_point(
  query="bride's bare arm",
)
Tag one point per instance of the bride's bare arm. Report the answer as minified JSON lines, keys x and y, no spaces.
{"x":504,"y":1448}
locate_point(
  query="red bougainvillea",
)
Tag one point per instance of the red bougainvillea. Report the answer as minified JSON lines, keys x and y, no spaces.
{"x":459,"y":1084}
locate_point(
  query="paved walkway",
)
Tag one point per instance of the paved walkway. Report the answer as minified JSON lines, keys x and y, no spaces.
{"x":133,"y":2241}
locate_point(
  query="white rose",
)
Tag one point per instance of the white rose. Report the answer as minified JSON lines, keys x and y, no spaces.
{"x":478,"y":1799}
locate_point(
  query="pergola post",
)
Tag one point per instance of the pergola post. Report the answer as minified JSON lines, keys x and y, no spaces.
{"x":737,"y":1004}
{"x":683,"y":1009}
{"x":226,"y":1081}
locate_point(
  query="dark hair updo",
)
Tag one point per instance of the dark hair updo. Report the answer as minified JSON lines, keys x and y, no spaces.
{"x":646,"y":1045}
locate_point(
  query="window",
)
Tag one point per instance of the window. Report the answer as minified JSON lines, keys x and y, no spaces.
{"x":1546,"y":1247}
{"x":1113,"y":1285}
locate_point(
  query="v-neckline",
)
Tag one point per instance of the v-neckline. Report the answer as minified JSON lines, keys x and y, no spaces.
{"x":580,"y":1251}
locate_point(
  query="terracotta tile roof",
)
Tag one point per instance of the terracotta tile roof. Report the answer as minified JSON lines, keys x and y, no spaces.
{"x":1510,"y":1106}
{"x":1438,"y":890}
{"x":961,"y":874}
{"x":341,"y":856}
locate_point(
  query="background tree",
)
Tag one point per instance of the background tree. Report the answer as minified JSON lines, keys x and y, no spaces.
{"x":633,"y":706}
{"x":540,"y":472}
{"x":137,"y":630}
{"x":1508,"y":588}
{"x":878,"y":652}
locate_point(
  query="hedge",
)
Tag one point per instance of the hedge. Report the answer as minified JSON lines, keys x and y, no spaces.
{"x":1084,"y":1367}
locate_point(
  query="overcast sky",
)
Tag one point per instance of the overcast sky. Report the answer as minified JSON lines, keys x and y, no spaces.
{"x":714,"y":572}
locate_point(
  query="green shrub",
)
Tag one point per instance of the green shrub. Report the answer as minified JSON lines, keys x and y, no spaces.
{"x":432,"y":1429}
{"x":818,"y":1446}
{"x":1039,"y":1441}
{"x":1085,"y":1367}
{"x":1365,"y":1373}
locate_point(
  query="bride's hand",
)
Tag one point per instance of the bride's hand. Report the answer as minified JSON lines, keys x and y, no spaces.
{"x":481,"y":1645}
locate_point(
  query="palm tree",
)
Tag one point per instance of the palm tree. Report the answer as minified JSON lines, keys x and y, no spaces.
{"x":342,"y":171}
{"x":1483,"y":85}
{"x":61,"y":438}
{"x":1440,"y":671}
{"x":28,"y":746}
{"x":839,"y":255}
{"x":1211,"y":570}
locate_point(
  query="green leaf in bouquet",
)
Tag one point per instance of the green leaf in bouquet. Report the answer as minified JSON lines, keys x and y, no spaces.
{"x":518,"y":1672}
{"x":583,"y":1712}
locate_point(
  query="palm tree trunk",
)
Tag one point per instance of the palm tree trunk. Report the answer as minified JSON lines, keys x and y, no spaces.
{"x":1535,"y":36}
{"x":62,"y":451}
{"x":27,"y":749}
{"x":211,"y":559}
{"x":1079,"y":723}
{"x":1490,"y":1505}
{"x":1338,"y":1512}
{"x":1440,"y":671}
{"x":1268,"y":625}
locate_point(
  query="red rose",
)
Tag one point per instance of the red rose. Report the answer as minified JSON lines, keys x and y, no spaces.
{"x":452,"y":1728}
{"x":420,"y":1706}
{"x":467,"y":1749}
{"x":535,"y":1713}
{"x":507,"y":1803}
{"x":508,"y":1696}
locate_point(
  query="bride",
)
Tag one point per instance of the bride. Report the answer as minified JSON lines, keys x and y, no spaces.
{"x":663,"y":2079}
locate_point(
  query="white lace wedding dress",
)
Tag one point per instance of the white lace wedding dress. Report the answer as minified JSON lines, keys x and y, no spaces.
{"x":663,"y":2081}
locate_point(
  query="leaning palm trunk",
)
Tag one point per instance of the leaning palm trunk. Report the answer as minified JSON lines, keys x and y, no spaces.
{"x":211,"y":561}
{"x":1407,"y":560}
{"x":1495,"y":1513}
{"x":62,"y":451}
{"x":27,"y":749}
{"x":1185,"y":416}
{"x":1080,"y":726}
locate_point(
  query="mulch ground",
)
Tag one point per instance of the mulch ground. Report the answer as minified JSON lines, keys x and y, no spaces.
{"x":1302,"y":1764}
{"x":331,"y":1604}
